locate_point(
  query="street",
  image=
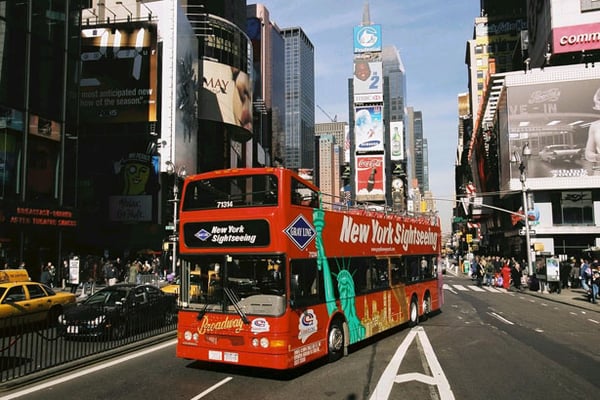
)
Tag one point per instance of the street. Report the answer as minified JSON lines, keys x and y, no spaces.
{"x":489,"y":344}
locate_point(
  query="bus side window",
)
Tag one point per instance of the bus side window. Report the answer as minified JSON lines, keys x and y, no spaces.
{"x":296,"y":198}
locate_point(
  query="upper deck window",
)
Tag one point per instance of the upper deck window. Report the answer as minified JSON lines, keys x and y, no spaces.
{"x":231,"y":192}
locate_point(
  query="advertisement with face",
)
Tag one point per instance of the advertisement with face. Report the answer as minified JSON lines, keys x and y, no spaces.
{"x":368,"y":128}
{"x":370,"y":177}
{"x":119,"y":73}
{"x":226,"y":95}
{"x":560,"y":122}
{"x":368,"y":81}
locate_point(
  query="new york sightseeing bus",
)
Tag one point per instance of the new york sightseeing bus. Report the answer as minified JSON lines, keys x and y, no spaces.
{"x":274,"y":276}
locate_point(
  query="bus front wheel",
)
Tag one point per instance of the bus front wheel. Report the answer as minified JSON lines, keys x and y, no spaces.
{"x":414,"y":313}
{"x":426,"y":307}
{"x":335,"y":340}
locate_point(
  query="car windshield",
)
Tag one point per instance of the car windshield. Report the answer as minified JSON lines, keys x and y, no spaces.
{"x":108,"y":297}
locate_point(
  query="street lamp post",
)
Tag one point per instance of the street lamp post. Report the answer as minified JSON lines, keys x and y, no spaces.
{"x":522,"y":159}
{"x":177,"y":173}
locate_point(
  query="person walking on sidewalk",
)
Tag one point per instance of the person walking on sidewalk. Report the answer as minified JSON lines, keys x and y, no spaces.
{"x":515,"y":274}
{"x":506,"y":275}
{"x":595,"y":286}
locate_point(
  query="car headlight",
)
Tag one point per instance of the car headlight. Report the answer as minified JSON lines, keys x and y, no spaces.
{"x":61,"y":319}
{"x":97,"y":321}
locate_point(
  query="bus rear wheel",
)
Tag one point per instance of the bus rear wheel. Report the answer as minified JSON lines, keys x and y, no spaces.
{"x":414,"y":313}
{"x":335,"y":341}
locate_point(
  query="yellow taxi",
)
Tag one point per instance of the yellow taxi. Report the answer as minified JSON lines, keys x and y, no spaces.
{"x":27,"y":301}
{"x":195,"y":286}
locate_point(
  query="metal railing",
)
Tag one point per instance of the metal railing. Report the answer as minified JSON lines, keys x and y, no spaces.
{"x":27,"y":349}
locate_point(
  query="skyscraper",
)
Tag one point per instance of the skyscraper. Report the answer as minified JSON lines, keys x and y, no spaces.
{"x":299,"y":99}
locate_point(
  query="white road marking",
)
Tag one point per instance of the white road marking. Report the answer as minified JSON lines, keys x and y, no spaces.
{"x":461,"y":288}
{"x":87,"y":371}
{"x":476,"y":288}
{"x":493,"y":314}
{"x":389,"y":377}
{"x":593,"y":320}
{"x":212,"y":388}
{"x":449,"y":288}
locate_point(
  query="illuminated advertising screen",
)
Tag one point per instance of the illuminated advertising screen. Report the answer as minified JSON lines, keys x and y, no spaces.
{"x":560,"y":122}
{"x":119,"y":73}
{"x":396,"y":139}
{"x":368,"y":128}
{"x":367,"y":38}
{"x":370,"y":177}
{"x":368,"y":81}
{"x":226,"y":95}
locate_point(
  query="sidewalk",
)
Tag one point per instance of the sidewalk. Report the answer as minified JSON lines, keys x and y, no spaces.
{"x":573,"y":297}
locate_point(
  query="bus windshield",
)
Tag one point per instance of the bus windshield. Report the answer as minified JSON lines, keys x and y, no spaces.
{"x":248,"y":284}
{"x":231,"y":192}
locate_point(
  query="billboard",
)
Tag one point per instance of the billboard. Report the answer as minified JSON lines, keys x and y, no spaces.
{"x":226,"y":95}
{"x":577,"y":38}
{"x":367,"y":38}
{"x":368,"y":128}
{"x":560,"y":122}
{"x":368,"y":81}
{"x":396,"y":139}
{"x":119,"y":73}
{"x":370,"y":177}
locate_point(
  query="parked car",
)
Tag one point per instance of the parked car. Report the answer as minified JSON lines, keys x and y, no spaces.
{"x":32,"y":302}
{"x":119,"y":310}
{"x":560,"y":152}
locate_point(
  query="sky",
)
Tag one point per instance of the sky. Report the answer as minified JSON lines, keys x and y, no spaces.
{"x":430,"y":36}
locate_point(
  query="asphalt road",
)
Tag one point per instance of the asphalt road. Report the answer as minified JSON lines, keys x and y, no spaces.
{"x":484,"y":344}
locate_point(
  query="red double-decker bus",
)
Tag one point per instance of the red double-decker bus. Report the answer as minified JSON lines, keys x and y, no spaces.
{"x":275,"y":276}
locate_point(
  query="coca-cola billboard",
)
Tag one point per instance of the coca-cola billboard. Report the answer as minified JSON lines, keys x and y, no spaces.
{"x":370,"y":177}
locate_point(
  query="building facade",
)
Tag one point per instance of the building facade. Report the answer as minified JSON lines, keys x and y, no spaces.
{"x":299,"y":141}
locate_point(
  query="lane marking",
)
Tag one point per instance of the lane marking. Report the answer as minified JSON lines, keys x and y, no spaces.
{"x":390,"y":374}
{"x":87,"y":371}
{"x":212,"y":388}
{"x":593,"y":320}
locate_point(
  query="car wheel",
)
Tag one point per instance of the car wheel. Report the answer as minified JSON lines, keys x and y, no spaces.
{"x":53,"y":315}
{"x":414,"y":313}
{"x":118,"y":331}
{"x":335,"y":340}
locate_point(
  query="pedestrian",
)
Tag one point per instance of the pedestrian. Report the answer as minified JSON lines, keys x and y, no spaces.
{"x":574,"y":274}
{"x":45,"y":277}
{"x":595,"y":286}
{"x":585,"y":274}
{"x":134,"y":270}
{"x":489,"y":273}
{"x":506,"y":274}
{"x":515,"y":275}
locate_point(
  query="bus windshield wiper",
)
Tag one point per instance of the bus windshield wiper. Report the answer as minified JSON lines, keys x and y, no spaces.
{"x":234,"y":301}
{"x":202,"y":312}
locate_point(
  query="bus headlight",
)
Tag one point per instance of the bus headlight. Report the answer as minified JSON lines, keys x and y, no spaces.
{"x":264,"y":342}
{"x":255,"y":342}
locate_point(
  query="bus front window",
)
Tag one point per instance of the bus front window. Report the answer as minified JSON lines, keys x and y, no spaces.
{"x":254,"y":285}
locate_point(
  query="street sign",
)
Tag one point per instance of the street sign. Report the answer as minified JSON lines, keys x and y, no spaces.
{"x":170,"y":227}
{"x":523,"y":232}
{"x":173,"y":238}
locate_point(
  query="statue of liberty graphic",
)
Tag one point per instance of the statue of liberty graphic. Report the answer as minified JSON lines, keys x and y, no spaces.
{"x":344,"y":279}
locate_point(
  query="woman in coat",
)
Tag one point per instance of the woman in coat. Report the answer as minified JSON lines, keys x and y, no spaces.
{"x":505,"y":271}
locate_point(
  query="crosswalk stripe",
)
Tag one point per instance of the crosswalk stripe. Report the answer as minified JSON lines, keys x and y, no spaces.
{"x":475,"y":288}
{"x":461,"y":288}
